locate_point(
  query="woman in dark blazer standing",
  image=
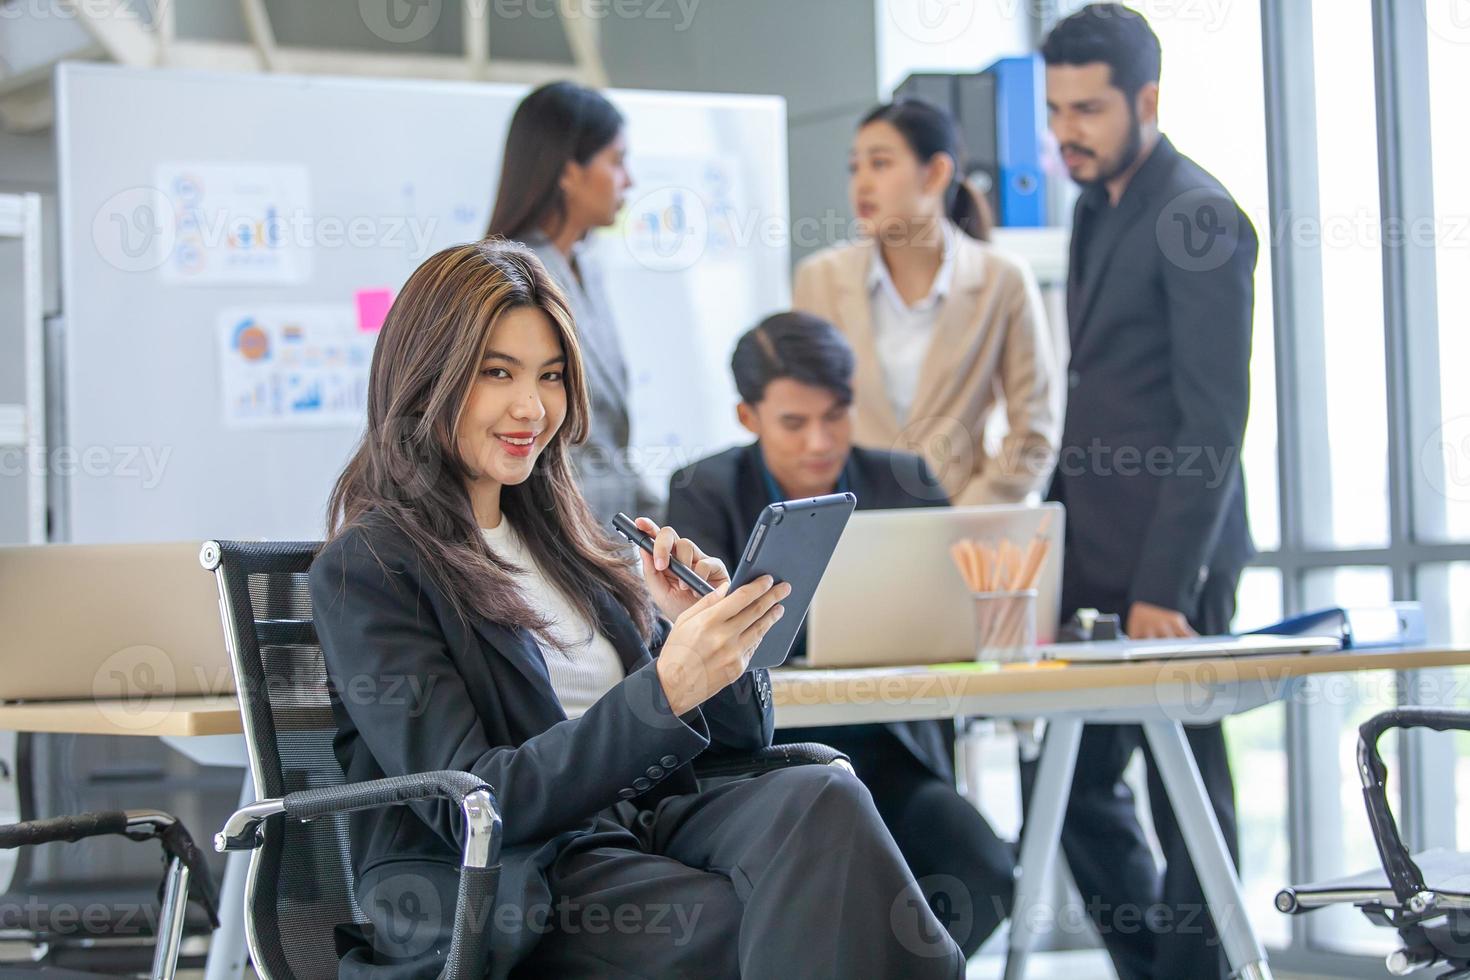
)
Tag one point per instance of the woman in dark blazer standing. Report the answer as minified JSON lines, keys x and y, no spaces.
{"x":474,"y":616}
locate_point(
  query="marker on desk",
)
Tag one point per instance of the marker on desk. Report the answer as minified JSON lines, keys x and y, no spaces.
{"x":624,"y":525}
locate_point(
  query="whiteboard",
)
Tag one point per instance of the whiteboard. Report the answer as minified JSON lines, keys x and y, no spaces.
{"x":312,"y":196}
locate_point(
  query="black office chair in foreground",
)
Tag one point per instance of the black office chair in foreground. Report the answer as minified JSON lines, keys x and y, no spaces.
{"x":186,"y":877}
{"x":1425,"y":897}
{"x":301,"y":913}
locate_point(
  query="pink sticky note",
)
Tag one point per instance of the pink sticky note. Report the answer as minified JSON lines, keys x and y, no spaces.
{"x":372,"y":308}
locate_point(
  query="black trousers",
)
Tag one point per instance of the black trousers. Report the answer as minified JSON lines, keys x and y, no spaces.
{"x":790,"y":874}
{"x":967,"y":873}
{"x":1154,"y":924}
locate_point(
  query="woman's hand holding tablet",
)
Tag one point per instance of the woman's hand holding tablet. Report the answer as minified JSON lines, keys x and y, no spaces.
{"x":713,"y":641}
{"x":714,"y":635}
{"x":718,"y":636}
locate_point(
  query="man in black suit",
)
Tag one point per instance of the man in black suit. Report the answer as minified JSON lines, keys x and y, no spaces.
{"x":794,"y":374}
{"x":1159,"y":307}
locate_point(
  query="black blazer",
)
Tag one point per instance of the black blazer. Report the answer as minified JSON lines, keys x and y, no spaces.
{"x":1158,"y":389}
{"x":716,"y":501}
{"x":416,"y":689}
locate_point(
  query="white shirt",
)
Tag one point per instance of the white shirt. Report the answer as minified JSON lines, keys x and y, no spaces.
{"x":902,"y":333}
{"x":583,"y":664}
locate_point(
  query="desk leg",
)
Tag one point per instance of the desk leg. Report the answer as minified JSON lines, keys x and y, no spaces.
{"x":1041,"y":835}
{"x":1207,"y":850}
{"x":227,"y":948}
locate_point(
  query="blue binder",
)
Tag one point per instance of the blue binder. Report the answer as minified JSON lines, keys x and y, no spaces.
{"x":1361,"y":627}
{"x":1020,"y":102}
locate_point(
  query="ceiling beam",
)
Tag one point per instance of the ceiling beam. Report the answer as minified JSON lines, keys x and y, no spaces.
{"x":584,"y":38}
{"x":237,"y":56}
{"x":476,"y":36}
{"x":118,"y":29}
{"x":28,"y":110}
{"x":262,"y":35}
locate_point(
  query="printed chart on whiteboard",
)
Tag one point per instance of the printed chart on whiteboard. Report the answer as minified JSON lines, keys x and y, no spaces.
{"x":686,"y":210}
{"x":293,"y":366}
{"x":235,"y":223}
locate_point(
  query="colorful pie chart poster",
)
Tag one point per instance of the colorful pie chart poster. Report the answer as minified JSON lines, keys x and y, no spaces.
{"x":295,"y":366}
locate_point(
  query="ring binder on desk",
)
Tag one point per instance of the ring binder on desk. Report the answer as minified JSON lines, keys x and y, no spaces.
{"x":1359,"y":627}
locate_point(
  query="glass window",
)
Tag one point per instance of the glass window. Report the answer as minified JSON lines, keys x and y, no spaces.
{"x":1358,"y":585}
{"x":1256,"y":742}
{"x":1257,"y":600}
{"x":1223,"y":129}
{"x":1443,"y":589}
{"x":1444,"y":456}
{"x":1354,"y":420}
{"x":1342,"y":842}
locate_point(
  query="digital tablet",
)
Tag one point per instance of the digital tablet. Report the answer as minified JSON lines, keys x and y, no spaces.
{"x":792,"y":542}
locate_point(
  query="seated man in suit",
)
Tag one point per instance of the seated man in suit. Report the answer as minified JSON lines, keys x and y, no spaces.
{"x":794,"y":373}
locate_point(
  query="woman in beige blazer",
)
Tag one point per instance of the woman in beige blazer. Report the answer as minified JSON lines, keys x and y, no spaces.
{"x":945,"y":327}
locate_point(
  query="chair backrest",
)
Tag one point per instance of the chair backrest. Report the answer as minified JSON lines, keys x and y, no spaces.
{"x":300,"y":885}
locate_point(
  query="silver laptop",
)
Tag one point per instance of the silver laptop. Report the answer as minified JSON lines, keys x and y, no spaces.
{"x":109,"y":621}
{"x":891,"y":594}
{"x":1193,"y":648}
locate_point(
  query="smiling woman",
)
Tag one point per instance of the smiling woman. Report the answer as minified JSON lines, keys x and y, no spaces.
{"x":440,"y":378}
{"x":465,"y":564}
{"x":515,"y":405}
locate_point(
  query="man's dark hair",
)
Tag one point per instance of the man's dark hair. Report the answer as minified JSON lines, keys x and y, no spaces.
{"x":1112,"y":34}
{"x":798,"y":346}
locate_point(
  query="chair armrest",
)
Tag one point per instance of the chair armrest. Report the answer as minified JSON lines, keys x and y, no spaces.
{"x":768,"y":759}
{"x":71,"y":828}
{"x":138,"y":825}
{"x":1404,"y":876}
{"x":446,"y":784}
{"x":479,"y":879}
{"x":475,"y":799}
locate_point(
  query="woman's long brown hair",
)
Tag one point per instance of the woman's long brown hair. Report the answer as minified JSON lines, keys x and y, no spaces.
{"x":557,"y":124}
{"x":408,"y":470}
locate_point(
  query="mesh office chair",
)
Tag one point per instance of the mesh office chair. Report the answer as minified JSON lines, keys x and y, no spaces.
{"x":1425,"y":897}
{"x":300,"y":905}
{"x":186,"y":877}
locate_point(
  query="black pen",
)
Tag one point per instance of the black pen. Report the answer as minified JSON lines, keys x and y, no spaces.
{"x":624,"y":525}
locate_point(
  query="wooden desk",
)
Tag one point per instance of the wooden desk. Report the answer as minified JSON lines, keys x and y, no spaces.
{"x":165,"y":718}
{"x":805,"y":698}
{"x":802,"y":697}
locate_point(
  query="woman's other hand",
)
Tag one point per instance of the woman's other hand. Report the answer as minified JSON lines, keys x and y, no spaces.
{"x":671,"y":595}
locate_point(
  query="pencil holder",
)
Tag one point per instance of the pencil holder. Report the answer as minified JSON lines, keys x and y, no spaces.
{"x":1005,"y":626}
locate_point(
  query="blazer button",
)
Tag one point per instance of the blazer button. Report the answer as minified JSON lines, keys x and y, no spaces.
{"x":627,"y":794}
{"x":669,"y":761}
{"x":1073,"y":379}
{"x":655,"y":772}
{"x":642,"y":785}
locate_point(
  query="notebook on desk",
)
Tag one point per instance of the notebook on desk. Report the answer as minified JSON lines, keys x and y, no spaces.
{"x":1193,"y":648}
